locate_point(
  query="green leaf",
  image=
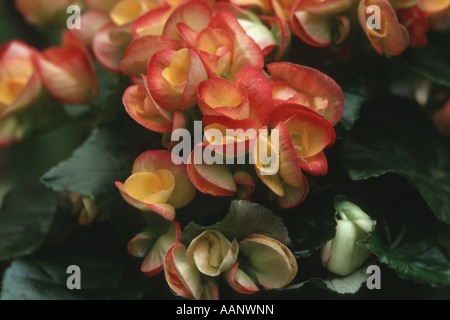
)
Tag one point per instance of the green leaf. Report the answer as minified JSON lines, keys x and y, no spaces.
{"x":313,"y":224}
{"x":244,"y":218}
{"x":33,"y":123}
{"x":12,"y":24}
{"x":342,"y":285}
{"x":352,"y":85}
{"x":106,"y":156}
{"x":93,"y":167}
{"x":349,"y":284}
{"x":415,"y":255}
{"x":433,"y":60}
{"x":25,"y":220}
{"x":107,"y":273}
{"x":394,"y":136}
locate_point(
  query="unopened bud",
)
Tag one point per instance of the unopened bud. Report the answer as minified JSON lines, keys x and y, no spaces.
{"x":342,"y":254}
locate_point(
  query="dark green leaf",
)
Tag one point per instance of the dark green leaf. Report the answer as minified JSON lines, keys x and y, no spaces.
{"x":25,"y":220}
{"x":352,"y":85}
{"x":243,"y":219}
{"x":107,"y":273}
{"x":94,"y":166}
{"x":433,"y":60}
{"x":394,"y":136}
{"x":414,"y":256}
{"x":313,"y":224}
{"x":107,"y":156}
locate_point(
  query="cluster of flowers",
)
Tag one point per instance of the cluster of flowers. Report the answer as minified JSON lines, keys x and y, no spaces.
{"x":198,"y":55}
{"x":66,"y":72}
{"x":216,"y":62}
{"x":249,"y":264}
{"x":123,"y":34}
{"x":254,"y":263}
{"x":212,"y":55}
{"x":325,"y":23}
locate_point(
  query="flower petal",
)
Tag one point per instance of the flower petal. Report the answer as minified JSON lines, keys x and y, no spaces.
{"x":195,"y":14}
{"x":310,"y":132}
{"x":246,"y":52}
{"x":240,"y":281}
{"x":215,"y":179}
{"x":154,"y":261}
{"x":293,"y":196}
{"x":316,"y":165}
{"x":141,"y":108}
{"x":183,"y":279}
{"x":392,"y":38}
{"x":110,"y":44}
{"x":246,"y":185}
{"x":154,"y":160}
{"x":173,"y":77}
{"x":140,"y":51}
{"x":314,"y":84}
{"x":68,"y":72}
{"x":273,"y":263}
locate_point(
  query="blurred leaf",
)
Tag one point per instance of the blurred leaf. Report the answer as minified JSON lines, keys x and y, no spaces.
{"x":243,"y":219}
{"x":394,"y":136}
{"x":32,"y":121}
{"x":11,"y":25}
{"x":25,"y":220}
{"x":107,"y":273}
{"x":433,"y":60}
{"x":415,"y":255}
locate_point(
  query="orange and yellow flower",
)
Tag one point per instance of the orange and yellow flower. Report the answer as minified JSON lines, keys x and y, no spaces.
{"x":307,"y":87}
{"x":68,"y":71}
{"x":20,"y":87}
{"x":320,"y":23}
{"x":157,"y":184}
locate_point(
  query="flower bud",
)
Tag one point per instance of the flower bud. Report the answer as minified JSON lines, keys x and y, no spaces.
{"x":182,"y":278}
{"x":83,"y":207}
{"x":89,"y":212}
{"x":441,"y":119}
{"x":212,"y":253}
{"x":390,"y":37}
{"x":342,"y":255}
{"x":153,"y":245}
{"x":68,"y":71}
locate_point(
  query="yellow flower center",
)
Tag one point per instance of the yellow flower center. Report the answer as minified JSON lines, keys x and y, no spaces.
{"x":10,"y":89}
{"x":177,"y":73}
{"x":222,"y":94}
{"x":128,"y":10}
{"x":151,"y":187}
